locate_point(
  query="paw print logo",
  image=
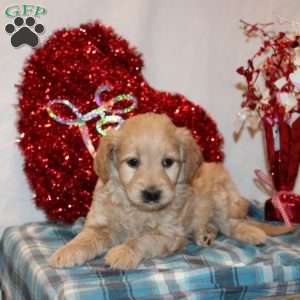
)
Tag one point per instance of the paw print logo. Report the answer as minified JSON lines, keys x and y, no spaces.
{"x":24,"y":33}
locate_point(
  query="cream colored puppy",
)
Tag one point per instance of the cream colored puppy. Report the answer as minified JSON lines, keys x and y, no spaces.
{"x":149,"y":203}
{"x":145,"y":208}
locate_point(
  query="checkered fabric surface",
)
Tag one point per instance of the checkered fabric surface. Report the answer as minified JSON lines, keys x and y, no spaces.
{"x":227,"y":270}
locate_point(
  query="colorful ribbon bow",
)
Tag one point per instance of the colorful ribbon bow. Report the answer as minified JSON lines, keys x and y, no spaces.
{"x":267,"y":181}
{"x":105,"y":110}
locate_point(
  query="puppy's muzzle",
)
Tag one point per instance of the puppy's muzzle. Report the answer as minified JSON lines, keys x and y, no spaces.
{"x":151,"y":195}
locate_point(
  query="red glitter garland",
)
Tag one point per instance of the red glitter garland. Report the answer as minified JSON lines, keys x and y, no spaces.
{"x":71,"y":65}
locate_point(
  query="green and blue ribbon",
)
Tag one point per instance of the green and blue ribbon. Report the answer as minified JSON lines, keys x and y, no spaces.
{"x":105,"y":111}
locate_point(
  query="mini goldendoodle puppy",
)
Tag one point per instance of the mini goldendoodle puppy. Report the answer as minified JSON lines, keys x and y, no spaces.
{"x":151,"y":202}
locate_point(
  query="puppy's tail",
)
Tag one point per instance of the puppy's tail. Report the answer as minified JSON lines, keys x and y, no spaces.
{"x":272,"y":230}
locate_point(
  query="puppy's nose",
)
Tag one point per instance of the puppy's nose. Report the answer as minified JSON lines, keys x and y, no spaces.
{"x":151,"y":194}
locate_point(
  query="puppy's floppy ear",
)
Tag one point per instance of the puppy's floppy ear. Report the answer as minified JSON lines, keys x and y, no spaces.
{"x":190,"y":153}
{"x":104,"y":156}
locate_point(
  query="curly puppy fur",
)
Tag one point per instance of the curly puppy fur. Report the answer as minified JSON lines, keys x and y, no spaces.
{"x":150,"y":201}
{"x":222,"y":208}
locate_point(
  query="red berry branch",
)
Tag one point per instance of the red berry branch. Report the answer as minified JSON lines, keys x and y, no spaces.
{"x":277,"y":64}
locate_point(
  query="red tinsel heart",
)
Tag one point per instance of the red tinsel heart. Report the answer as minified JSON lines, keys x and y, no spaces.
{"x":72,"y":65}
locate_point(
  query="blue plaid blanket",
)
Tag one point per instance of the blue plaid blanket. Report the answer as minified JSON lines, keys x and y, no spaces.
{"x":227,"y":270}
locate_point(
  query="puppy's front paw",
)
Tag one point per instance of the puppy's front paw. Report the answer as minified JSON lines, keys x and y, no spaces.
{"x":122,"y":257}
{"x":68,"y":256}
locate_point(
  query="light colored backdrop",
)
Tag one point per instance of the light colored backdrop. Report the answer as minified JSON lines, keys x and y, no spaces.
{"x":191,"y":46}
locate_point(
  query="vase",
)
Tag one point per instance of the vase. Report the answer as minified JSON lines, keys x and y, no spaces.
{"x":282,"y":141}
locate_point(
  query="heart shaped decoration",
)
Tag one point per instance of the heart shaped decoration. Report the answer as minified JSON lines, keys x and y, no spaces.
{"x":71,"y":66}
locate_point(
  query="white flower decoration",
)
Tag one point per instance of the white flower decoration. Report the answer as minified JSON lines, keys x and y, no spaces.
{"x":295,"y":78}
{"x":248,"y":117}
{"x":288,"y":100}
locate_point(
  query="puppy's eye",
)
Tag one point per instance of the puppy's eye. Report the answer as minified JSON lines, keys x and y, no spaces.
{"x":167,"y":162}
{"x":133,"y":162}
